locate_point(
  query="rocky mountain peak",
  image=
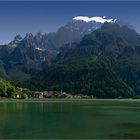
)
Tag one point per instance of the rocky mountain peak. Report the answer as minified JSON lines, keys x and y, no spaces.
{"x":16,"y":41}
{"x":29,"y":35}
{"x":39,"y":35}
{"x":18,"y":38}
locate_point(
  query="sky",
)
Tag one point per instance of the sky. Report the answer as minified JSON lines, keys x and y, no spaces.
{"x":21,"y":17}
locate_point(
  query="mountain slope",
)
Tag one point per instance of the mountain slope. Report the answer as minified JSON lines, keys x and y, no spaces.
{"x":115,"y":47}
{"x":24,"y":57}
{"x":21,"y":58}
{"x":101,"y":64}
{"x":73,"y":31}
{"x":81,"y":78}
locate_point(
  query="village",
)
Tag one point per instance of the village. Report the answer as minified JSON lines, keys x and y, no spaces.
{"x":57,"y":94}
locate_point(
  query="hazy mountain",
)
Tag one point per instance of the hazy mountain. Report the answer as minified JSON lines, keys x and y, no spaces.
{"x":73,"y":31}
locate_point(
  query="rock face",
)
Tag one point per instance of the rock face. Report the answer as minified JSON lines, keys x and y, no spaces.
{"x":21,"y":58}
{"x":16,"y":41}
{"x":73,"y":31}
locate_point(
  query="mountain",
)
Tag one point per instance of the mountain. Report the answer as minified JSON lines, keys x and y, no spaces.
{"x":16,"y":41}
{"x":21,"y":58}
{"x":106,"y":64}
{"x":111,"y":38}
{"x":24,"y":57}
{"x":73,"y":31}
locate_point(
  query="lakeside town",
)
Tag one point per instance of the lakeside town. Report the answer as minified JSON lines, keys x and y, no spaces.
{"x":52,"y":94}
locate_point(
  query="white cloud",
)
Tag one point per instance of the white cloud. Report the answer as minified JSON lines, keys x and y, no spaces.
{"x":96,"y":19}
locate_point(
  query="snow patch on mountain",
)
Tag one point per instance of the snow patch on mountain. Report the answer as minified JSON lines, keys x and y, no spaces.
{"x":95,"y":19}
{"x":40,"y":49}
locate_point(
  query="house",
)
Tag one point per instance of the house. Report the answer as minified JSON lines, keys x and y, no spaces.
{"x":17,"y":96}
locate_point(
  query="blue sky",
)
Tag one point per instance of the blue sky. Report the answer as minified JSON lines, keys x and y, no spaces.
{"x":20,"y":17}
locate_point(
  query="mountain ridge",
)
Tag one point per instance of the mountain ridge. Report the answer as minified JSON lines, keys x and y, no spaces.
{"x":110,"y":49}
{"x":27,"y":55}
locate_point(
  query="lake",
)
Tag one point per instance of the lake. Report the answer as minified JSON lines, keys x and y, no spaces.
{"x":63,"y":119}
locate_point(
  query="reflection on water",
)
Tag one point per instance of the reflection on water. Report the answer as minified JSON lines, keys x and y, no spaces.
{"x":21,"y":107}
{"x":31,"y":120}
{"x":35,"y":120}
{"x":12,"y":107}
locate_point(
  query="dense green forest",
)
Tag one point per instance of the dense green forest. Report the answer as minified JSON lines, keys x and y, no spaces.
{"x":81,"y":79}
